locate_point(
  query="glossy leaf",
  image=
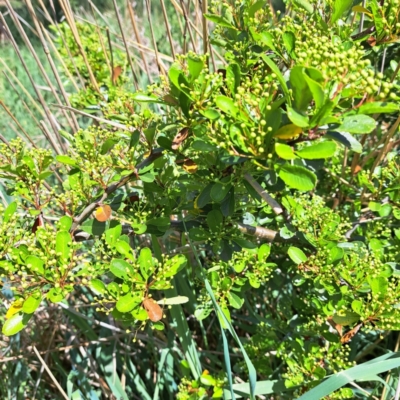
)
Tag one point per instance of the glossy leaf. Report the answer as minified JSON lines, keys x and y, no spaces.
{"x":219,"y":191}
{"x":297,"y":177}
{"x":227,"y":105}
{"x":174,"y":265}
{"x":98,"y":286}
{"x":284,"y":151}
{"x":340,"y":7}
{"x":288,"y":132}
{"x":128,"y":302}
{"x":9,"y":211}
{"x":234,"y":300}
{"x":301,"y":92}
{"x":121,"y":269}
{"x":358,"y":123}
{"x":63,"y":245}
{"x":65,"y":223}
{"x":347,"y":140}
{"x":324,"y":149}
{"x":15,"y":324}
{"x":35,"y":264}
{"x":146,"y":262}
{"x":32,"y":303}
{"x":297,"y":255}
{"x":378,"y":107}
{"x":297,"y":118}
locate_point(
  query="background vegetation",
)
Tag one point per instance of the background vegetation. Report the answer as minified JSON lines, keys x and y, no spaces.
{"x":254,"y":187}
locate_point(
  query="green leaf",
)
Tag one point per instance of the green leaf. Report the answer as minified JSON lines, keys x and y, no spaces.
{"x":284,"y":151}
{"x":297,"y":255}
{"x":211,"y":113}
{"x":305,"y":5}
{"x":198,"y":234}
{"x":316,"y":90}
{"x":214,"y":220}
{"x":140,"y":314}
{"x":297,"y":118}
{"x":159,"y":326}
{"x":195,"y":65}
{"x":205,"y":196}
{"x":297,"y":177}
{"x":233,"y":77}
{"x":228,"y":204}
{"x":263,"y":252}
{"x":32,"y":303}
{"x":107,"y":145}
{"x":357,"y":306}
{"x":217,"y":19}
{"x":358,"y":123}
{"x":279,"y":75}
{"x":335,"y":254}
{"x":65,"y":223}
{"x":379,"y":286}
{"x":55,"y":295}
{"x":289,"y":41}
{"x":124,"y":249}
{"x":173,"y":300}
{"x":347,"y":319}
{"x":113,"y":234}
{"x":261,"y":388}
{"x":339,"y":8}
{"x":370,"y":368}
{"x":144,"y":98}
{"x":347,"y":140}
{"x":9,"y":211}
{"x":378,"y":107}
{"x":146,"y":262}
{"x":258,"y":5}
{"x":302,"y":95}
{"x":318,"y":150}
{"x":219,"y":191}
{"x":201,"y":312}
{"x":15,"y":324}
{"x":127,"y":303}
{"x":267,"y":39}
{"x":63,"y":245}
{"x":66,"y":160}
{"x":234,"y":300}
{"x":174,"y":265}
{"x":35,"y":264}
{"x":227,"y":105}
{"x":97,"y":286}
{"x":31,"y":164}
{"x":121,"y":269}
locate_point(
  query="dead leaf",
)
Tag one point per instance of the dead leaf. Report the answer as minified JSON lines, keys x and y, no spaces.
{"x":103,"y":213}
{"x":371,"y":41}
{"x":190,"y":166}
{"x":334,"y":325}
{"x":116,"y":73}
{"x":350,"y":334}
{"x":179,"y":138}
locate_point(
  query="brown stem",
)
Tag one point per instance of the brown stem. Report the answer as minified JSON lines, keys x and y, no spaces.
{"x":112,"y":188}
{"x":276,"y":208}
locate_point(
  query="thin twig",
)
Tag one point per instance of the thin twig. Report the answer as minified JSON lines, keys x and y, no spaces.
{"x":135,"y":79}
{"x":391,"y":132}
{"x":159,"y":65}
{"x":138,"y":39}
{"x":276,"y":208}
{"x":112,"y":188}
{"x":53,"y":378}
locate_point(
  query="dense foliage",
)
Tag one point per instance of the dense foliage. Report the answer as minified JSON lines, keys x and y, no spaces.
{"x":263,"y":192}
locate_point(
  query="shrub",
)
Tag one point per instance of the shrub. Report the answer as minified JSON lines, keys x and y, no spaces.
{"x":260,"y":192}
